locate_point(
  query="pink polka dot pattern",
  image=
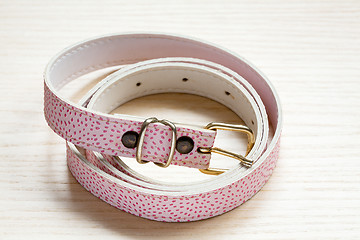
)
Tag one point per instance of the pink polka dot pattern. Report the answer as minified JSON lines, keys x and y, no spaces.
{"x":103,"y":134}
{"x":170,"y":208}
{"x":100,"y":134}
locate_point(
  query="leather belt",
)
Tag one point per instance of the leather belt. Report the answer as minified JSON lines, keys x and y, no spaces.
{"x":158,"y":63}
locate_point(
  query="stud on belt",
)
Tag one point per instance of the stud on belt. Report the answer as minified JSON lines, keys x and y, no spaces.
{"x":158,"y":63}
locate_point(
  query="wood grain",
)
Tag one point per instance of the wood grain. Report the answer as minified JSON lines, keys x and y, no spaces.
{"x":309,"y":49}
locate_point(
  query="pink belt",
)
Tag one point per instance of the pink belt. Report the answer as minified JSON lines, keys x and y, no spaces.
{"x":158,"y":63}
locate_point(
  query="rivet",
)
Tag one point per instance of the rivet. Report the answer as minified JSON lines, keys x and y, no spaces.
{"x":129,"y":139}
{"x":184,"y":144}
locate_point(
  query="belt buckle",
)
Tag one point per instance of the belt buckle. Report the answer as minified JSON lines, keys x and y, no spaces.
{"x":228,"y":127}
{"x":211,"y":126}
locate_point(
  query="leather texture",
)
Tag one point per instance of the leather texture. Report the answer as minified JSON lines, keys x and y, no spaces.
{"x":158,"y":63}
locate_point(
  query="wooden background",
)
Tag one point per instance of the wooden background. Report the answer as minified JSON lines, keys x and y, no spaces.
{"x":309,"y":50}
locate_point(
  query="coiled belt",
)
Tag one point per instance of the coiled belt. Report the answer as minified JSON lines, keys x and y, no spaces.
{"x":159,"y":63}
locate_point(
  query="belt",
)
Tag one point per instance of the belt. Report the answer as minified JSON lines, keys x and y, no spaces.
{"x":158,"y":63}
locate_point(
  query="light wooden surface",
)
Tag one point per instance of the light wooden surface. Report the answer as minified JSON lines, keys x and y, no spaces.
{"x":310,"y":51}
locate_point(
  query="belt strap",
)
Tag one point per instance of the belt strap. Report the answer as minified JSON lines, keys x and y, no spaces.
{"x":157,"y":63}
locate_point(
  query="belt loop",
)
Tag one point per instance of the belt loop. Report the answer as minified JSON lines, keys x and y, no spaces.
{"x":142,"y":136}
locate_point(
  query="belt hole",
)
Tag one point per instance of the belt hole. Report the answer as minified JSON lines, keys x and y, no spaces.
{"x":227,"y":93}
{"x":185,"y":79}
{"x":138,"y":84}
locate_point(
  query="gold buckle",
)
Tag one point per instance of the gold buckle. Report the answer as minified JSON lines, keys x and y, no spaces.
{"x":142,"y":136}
{"x":229,"y":127}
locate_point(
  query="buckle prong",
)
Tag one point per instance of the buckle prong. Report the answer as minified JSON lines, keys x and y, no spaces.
{"x":229,"y":127}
